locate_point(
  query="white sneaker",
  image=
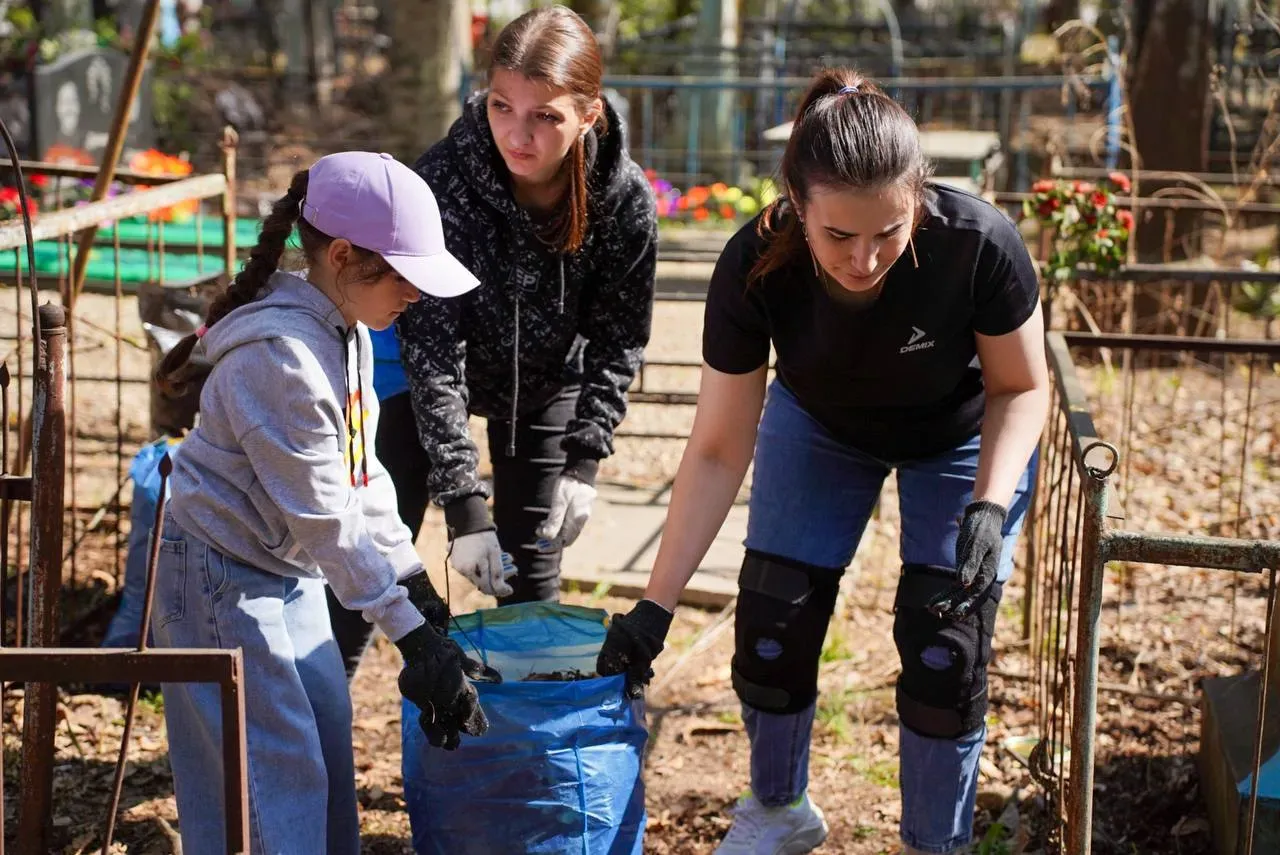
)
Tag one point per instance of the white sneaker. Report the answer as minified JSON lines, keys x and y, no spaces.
{"x":788,"y":830}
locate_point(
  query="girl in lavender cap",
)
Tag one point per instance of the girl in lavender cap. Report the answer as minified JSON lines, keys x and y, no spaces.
{"x":276,"y":492}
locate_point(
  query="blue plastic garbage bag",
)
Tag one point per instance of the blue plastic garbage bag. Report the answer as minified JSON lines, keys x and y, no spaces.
{"x":559,"y":769}
{"x":144,"y":471}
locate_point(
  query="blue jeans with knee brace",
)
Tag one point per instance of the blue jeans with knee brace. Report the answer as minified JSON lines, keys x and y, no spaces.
{"x":811,"y":498}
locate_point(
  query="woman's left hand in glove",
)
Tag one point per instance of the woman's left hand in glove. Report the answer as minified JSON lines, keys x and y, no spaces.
{"x":570,"y":510}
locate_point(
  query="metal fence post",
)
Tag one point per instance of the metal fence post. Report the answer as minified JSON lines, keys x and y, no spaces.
{"x":1084,"y":703}
{"x":49,"y":466}
{"x":230,"y":139}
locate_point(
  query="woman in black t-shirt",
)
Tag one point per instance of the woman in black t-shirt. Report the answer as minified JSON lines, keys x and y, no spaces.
{"x":906,"y":321}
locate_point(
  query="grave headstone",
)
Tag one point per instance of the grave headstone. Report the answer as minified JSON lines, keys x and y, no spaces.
{"x":73,"y":102}
{"x":1228,"y":730}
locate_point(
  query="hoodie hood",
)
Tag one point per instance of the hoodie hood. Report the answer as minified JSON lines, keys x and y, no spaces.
{"x":608,"y":185}
{"x":485,"y":171}
{"x":293,"y":308}
{"x":289,"y":304}
{"x":541,"y":321}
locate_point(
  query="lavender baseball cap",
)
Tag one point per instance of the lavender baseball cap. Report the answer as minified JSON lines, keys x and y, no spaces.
{"x":379,"y":204}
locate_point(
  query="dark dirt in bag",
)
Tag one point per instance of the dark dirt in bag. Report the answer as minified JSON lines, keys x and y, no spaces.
{"x":569,"y":676}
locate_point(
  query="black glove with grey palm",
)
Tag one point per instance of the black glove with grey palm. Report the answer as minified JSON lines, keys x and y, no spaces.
{"x":978,"y":548}
{"x":634,"y":640}
{"x":434,"y":677}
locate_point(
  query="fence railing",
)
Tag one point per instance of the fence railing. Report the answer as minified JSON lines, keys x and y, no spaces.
{"x":1075,"y":536}
{"x":696,"y":129}
{"x":108,"y":363}
{"x":39,"y":602}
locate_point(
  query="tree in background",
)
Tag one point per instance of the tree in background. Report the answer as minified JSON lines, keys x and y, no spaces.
{"x":430,"y":47}
{"x":602,"y":17}
{"x":1170,"y":68}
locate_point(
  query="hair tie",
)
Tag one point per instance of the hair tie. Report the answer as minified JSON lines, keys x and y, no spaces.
{"x":201,"y":330}
{"x":849,"y":90}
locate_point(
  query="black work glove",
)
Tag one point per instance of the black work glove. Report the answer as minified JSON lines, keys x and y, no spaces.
{"x":634,"y":640}
{"x":425,"y":599}
{"x":434,"y":678}
{"x":977,"y":560}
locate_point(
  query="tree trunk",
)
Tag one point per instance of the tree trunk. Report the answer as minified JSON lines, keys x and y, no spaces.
{"x":718,"y":34}
{"x":430,"y":47}
{"x":321,"y":58}
{"x":1169,"y":101}
{"x":602,"y":17}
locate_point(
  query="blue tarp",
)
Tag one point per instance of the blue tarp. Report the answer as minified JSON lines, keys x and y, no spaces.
{"x":559,"y":769}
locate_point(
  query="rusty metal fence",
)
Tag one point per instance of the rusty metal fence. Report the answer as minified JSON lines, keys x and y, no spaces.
{"x":108,"y":364}
{"x":1095,"y":521}
{"x":63,"y":487}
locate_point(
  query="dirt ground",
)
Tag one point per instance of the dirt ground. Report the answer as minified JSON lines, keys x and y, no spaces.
{"x":1164,"y":631}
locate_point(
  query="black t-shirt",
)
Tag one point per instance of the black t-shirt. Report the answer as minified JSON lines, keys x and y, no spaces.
{"x":898,"y":379}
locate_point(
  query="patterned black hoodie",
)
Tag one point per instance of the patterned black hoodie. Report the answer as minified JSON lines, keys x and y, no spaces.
{"x":539,"y":321}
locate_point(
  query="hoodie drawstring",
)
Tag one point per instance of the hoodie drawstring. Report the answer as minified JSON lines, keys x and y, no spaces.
{"x":364,"y":445}
{"x":347,"y":407}
{"x":561,"y":257}
{"x":515,"y":380}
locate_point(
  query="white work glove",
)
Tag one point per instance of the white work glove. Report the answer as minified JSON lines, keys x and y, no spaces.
{"x":570,"y":510}
{"x":479,"y":557}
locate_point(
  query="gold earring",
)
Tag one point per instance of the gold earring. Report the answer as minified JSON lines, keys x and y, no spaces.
{"x":813,"y":256}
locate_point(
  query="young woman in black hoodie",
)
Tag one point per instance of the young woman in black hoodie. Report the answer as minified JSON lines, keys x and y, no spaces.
{"x":541,"y":201}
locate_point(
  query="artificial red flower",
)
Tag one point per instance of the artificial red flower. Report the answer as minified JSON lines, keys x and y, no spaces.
{"x":1099,"y":199}
{"x":1121,"y":181}
{"x":1044,"y":185}
{"x":1126,"y":219}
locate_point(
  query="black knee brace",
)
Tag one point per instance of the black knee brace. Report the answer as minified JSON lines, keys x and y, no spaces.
{"x":783,"y":610}
{"x":942,"y":691}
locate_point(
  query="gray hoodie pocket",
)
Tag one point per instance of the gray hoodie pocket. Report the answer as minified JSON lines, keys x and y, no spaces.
{"x":171,"y":582}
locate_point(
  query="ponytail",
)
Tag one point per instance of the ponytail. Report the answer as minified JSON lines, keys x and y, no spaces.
{"x":783,"y":233}
{"x":575,"y":215}
{"x":264,"y":259}
{"x":571,"y":225}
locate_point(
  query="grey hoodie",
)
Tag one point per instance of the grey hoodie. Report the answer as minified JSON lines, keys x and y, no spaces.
{"x":276,"y":475}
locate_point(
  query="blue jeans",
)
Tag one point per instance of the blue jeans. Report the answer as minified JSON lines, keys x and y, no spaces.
{"x":302,"y":795}
{"x":810,"y":501}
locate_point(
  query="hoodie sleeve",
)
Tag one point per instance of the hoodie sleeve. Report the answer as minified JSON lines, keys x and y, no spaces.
{"x":433,"y":350}
{"x":290,"y":426}
{"x":616,"y":322}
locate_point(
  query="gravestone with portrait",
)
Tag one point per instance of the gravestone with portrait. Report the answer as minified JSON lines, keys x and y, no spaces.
{"x":73,"y":101}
